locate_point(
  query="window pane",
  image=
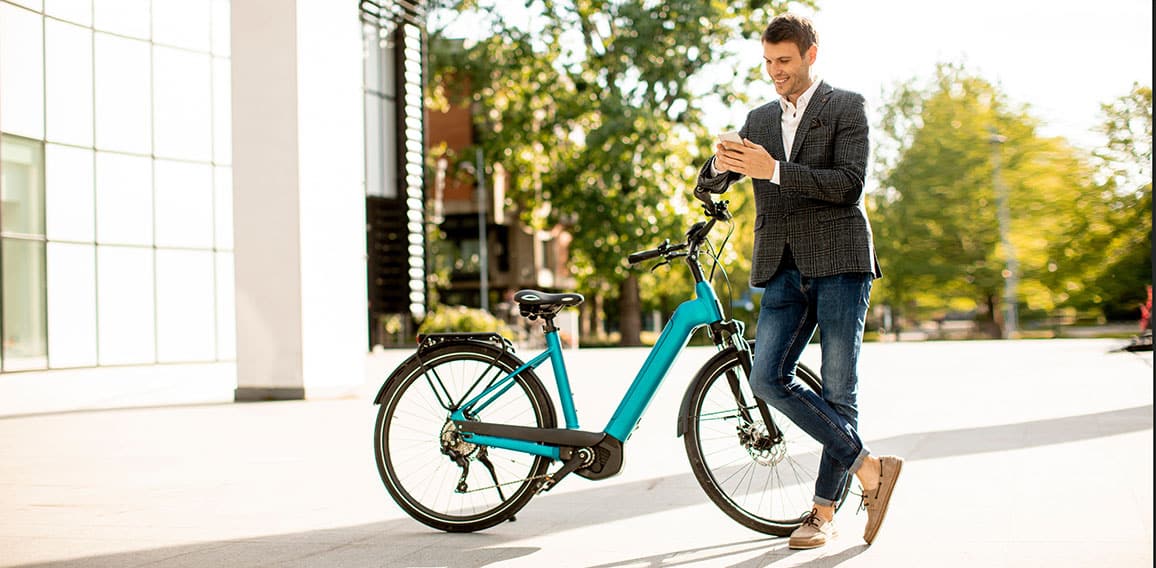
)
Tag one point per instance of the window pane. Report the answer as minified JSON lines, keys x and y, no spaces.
{"x":124,"y":277}
{"x":184,"y":208}
{"x":223,"y":208}
{"x":124,"y":17}
{"x":373,"y":157}
{"x":226,"y":308}
{"x":34,"y":4}
{"x":25,"y":341}
{"x":69,"y":77}
{"x":124,"y":199}
{"x":222,"y":112}
{"x":221,"y":27}
{"x":21,"y":187}
{"x":77,"y":11}
{"x":123,"y":108}
{"x":186,"y":314}
{"x":371,"y":54}
{"x":182,"y":95}
{"x":21,"y":72}
{"x":71,"y":305}
{"x":69,"y":195}
{"x":182,"y":23}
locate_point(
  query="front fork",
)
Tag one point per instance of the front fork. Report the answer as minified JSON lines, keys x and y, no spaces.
{"x":727,"y":333}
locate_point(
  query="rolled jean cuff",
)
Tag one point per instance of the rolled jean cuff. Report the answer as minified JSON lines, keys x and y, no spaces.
{"x":859,"y":460}
{"x":823,"y":501}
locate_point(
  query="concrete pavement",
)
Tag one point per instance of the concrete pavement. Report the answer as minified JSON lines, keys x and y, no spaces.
{"x":1020,"y":453}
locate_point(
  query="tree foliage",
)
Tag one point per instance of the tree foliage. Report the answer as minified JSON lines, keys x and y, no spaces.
{"x":937,"y":213}
{"x":595,"y":108}
{"x":1121,"y":266}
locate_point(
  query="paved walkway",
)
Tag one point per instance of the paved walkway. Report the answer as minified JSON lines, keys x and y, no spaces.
{"x":1020,"y":453}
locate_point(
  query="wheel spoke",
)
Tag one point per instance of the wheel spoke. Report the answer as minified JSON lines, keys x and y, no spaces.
{"x":765,"y":487}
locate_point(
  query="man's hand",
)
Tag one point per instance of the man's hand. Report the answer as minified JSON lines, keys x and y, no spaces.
{"x":747,"y":158}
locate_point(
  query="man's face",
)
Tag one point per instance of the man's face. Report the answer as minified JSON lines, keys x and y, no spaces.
{"x":788,"y":69}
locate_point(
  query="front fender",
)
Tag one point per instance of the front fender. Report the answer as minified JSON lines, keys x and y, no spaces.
{"x":702,"y":375}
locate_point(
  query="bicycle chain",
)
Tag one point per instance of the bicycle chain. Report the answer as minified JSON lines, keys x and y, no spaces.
{"x":516,"y":481}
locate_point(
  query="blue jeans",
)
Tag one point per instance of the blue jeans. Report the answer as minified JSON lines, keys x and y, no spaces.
{"x":792,"y":306}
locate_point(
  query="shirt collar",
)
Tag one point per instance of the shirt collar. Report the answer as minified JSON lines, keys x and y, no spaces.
{"x":801,"y":102}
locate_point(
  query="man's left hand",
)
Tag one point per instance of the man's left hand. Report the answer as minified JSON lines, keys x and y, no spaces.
{"x":748,"y":159}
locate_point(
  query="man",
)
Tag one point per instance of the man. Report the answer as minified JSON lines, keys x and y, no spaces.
{"x":814,"y":256}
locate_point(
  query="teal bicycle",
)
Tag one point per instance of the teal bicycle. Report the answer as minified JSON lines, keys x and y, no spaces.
{"x":467,"y":434}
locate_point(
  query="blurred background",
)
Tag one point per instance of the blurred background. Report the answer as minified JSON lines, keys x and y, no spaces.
{"x":288,"y":185}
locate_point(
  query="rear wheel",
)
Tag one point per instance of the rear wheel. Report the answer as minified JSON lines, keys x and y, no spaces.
{"x":435,"y":476}
{"x":763,"y":481}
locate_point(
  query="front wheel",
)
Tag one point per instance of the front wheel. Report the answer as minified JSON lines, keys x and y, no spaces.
{"x":760,"y":475}
{"x":432,"y":473}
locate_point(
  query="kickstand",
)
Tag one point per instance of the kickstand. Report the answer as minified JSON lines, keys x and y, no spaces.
{"x":484,"y":458}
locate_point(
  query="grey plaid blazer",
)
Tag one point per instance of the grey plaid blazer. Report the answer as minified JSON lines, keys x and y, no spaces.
{"x":818,"y":206}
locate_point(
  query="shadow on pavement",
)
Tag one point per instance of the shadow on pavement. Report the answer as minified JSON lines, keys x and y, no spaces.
{"x":724,"y":555}
{"x":104,"y":409}
{"x":946,"y":443}
{"x":404,"y":542}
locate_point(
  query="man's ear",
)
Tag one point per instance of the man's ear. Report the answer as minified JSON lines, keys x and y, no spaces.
{"x":812,"y":53}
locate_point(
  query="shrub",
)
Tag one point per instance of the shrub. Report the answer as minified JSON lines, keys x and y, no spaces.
{"x":463,"y":319}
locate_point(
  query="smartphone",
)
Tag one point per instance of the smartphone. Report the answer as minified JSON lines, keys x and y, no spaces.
{"x":730,"y":136}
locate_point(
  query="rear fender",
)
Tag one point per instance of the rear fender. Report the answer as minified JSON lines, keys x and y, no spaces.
{"x":430,"y":343}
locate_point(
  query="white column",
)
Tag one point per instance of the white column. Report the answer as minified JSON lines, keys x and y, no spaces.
{"x":298,"y":198}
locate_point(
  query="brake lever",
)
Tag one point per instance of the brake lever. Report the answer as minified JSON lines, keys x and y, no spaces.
{"x":665,"y":262}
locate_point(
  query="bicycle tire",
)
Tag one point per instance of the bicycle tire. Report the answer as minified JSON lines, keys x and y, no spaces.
{"x":767,"y":491}
{"x":413,"y":429}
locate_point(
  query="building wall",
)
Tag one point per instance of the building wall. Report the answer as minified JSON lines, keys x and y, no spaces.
{"x":121,"y":235}
{"x":116,"y":234}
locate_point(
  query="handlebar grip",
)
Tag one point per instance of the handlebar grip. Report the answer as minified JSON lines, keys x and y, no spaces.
{"x":640,"y":256}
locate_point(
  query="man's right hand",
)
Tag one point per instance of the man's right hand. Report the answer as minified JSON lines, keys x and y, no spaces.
{"x":716,"y":164}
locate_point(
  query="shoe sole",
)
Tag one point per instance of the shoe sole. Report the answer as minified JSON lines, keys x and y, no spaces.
{"x":884,"y":501}
{"x":793,"y":546}
{"x":805,"y":546}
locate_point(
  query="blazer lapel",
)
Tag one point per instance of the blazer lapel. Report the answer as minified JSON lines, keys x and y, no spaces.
{"x":821,"y":96}
{"x":776,"y":134}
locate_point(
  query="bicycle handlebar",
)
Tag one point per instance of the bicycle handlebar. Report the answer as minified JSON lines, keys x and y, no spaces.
{"x":664,"y":249}
{"x":715,"y":211}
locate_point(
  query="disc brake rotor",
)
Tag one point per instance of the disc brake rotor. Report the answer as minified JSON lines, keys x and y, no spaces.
{"x":758,"y":443}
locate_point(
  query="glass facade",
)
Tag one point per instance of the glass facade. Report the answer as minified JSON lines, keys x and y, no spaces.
{"x":116,"y":216}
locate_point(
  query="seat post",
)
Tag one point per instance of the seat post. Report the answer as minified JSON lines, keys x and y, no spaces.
{"x":548,"y":323}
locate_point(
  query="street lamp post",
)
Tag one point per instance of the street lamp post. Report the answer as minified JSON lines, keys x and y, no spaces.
{"x":1011,"y":270}
{"x":483,"y":249}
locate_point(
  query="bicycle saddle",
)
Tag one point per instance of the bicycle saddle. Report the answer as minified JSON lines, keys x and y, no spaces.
{"x":546,"y":299}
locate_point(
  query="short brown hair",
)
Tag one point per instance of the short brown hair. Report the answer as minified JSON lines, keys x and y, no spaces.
{"x":792,"y":28}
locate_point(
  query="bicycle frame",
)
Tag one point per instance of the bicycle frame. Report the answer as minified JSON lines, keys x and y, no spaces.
{"x":703,"y":310}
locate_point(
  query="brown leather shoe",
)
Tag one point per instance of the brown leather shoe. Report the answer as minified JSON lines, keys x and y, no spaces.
{"x":813,"y":533}
{"x":875,"y":501}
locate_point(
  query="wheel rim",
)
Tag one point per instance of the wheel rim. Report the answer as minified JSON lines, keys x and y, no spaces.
{"x":422,"y":475}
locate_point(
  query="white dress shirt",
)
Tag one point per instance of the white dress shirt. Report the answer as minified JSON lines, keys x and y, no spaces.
{"x":792,"y":116}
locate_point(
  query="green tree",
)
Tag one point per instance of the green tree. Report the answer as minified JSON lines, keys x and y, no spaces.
{"x":595,"y":108}
{"x":936,"y":214}
{"x":1123,"y":247}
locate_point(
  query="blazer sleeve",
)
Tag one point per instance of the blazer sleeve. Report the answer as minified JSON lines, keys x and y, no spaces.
{"x":723,"y":181}
{"x":841,"y":183}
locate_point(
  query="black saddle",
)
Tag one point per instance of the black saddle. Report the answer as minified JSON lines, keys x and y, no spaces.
{"x":534,"y":303}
